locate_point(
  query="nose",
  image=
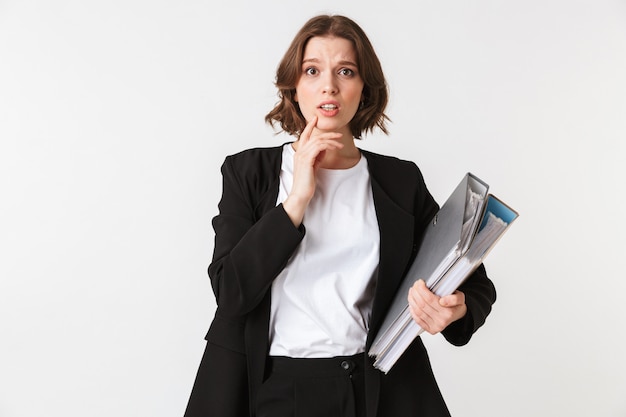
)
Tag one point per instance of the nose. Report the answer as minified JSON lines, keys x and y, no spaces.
{"x":329,"y":84}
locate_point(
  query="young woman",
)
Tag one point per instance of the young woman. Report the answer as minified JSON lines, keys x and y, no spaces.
{"x":311,"y":241}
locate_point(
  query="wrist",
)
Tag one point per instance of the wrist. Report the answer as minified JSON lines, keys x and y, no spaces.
{"x":295,"y":206}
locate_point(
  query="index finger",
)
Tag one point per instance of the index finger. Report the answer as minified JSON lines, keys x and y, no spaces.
{"x":420,"y":287}
{"x":308,"y":129}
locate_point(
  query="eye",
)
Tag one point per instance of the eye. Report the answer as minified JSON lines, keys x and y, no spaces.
{"x":347,"y":72}
{"x":310,"y":71}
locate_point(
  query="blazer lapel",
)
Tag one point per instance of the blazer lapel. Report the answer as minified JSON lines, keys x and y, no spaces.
{"x":396,"y":247}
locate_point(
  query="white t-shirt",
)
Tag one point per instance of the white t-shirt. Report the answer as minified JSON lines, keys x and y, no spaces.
{"x":322,"y":300}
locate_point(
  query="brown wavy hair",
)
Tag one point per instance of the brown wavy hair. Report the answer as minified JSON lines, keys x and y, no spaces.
{"x":371,"y":112}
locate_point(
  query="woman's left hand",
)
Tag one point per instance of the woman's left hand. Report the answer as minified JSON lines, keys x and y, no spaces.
{"x":431,"y":312}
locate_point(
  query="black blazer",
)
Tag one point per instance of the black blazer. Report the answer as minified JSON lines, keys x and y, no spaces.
{"x":254,"y":239}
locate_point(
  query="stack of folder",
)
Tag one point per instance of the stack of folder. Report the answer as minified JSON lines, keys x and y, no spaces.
{"x":457,"y":240}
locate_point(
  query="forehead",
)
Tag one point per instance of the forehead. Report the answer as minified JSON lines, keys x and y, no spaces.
{"x":330,"y":48}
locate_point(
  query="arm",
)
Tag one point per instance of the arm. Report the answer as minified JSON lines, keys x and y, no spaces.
{"x":249,"y":253}
{"x":480,"y":294}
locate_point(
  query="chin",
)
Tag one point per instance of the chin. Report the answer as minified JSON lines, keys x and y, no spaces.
{"x":330,"y":126}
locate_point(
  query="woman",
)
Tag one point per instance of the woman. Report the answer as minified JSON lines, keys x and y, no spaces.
{"x":311,"y":241}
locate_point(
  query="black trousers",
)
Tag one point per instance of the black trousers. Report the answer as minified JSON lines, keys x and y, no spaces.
{"x":326,"y":387}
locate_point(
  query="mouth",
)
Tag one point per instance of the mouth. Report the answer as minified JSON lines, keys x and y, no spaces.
{"x":329,"y":107}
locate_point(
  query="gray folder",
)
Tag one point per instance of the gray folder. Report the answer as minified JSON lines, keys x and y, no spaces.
{"x":457,"y":239}
{"x":441,"y":243}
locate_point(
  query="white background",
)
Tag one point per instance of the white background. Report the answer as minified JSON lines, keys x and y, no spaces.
{"x":114,"y":120}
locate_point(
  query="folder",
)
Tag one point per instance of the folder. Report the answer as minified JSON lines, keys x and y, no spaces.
{"x":454,"y":244}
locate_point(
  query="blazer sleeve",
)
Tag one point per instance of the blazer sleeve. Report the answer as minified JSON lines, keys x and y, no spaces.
{"x":249,"y":251}
{"x":480,"y":294}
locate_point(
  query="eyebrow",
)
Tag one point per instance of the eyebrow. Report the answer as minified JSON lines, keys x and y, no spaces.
{"x":315,"y":60}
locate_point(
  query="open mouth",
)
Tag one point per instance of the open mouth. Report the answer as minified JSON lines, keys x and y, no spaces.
{"x":328,"y":107}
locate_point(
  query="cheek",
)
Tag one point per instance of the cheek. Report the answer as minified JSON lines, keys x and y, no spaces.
{"x":355,"y":99}
{"x":305,"y":99}
{"x":304,"y":108}
{"x":300,"y":100}
{"x":356,"y":94}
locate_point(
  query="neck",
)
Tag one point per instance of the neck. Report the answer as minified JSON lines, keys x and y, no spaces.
{"x":343,"y":158}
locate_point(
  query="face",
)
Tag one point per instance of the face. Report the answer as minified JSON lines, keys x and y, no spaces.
{"x":330,"y":86}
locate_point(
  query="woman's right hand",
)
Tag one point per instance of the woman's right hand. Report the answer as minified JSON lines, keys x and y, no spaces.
{"x":311,"y":148}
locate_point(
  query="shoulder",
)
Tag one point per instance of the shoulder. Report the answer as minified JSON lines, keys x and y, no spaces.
{"x":390,"y":168}
{"x":254,"y":161}
{"x":252,"y":172}
{"x":403,"y":181}
{"x":259,"y":155}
